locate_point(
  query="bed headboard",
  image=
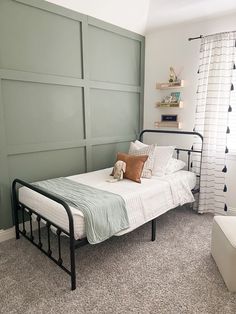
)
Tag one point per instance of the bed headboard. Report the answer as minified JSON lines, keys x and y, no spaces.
{"x":188,"y":151}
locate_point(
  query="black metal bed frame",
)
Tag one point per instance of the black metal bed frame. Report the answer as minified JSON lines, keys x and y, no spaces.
{"x":21,"y":211}
{"x":178,"y":150}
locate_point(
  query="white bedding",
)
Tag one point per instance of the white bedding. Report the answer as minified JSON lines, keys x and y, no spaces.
{"x":144,"y":201}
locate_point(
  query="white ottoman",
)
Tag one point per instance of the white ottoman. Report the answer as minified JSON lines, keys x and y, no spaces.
{"x":223,"y":248}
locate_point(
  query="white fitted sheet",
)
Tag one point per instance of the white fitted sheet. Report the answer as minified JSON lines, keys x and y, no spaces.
{"x":144,"y":201}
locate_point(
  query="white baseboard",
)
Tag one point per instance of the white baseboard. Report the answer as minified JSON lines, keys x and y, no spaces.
{"x":7,"y":234}
{"x":10,"y":233}
{"x":231,"y":211}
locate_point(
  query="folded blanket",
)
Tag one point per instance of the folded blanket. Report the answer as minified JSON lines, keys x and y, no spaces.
{"x":104,"y":212}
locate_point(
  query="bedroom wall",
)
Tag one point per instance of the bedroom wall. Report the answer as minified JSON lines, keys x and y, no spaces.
{"x":170,"y":47}
{"x":71,"y":93}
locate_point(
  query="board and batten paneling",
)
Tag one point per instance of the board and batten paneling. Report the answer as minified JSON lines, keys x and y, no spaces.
{"x":71,"y":93}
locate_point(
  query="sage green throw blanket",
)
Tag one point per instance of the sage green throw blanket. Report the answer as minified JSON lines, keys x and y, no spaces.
{"x":104,"y":212}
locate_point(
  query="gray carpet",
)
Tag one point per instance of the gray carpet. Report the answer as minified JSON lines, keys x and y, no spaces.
{"x":129,"y":274}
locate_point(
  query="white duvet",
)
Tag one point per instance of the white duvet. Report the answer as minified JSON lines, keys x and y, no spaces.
{"x":144,"y":201}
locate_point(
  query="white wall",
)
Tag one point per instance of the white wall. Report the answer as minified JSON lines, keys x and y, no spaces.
{"x":129,"y":14}
{"x":170,"y":47}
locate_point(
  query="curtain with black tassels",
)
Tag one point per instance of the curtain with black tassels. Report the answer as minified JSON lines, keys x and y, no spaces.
{"x":213,"y":109}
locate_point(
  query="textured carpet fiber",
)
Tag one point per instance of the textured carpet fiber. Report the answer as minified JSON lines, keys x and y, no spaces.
{"x":128,"y":274}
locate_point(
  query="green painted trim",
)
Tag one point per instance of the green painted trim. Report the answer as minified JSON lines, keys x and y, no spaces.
{"x":43,"y":147}
{"x":88,"y":158}
{"x":40,"y":78}
{"x":64,"y":80}
{"x":113,"y":28}
{"x":142,"y":67}
{"x":5,"y":217}
{"x":87,"y":105}
{"x":114,"y":86}
{"x":54,"y":8}
{"x":111,"y":140}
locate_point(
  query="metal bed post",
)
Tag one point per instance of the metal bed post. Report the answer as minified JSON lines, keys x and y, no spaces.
{"x":154,"y":229}
{"x":15,"y":208}
{"x":72,"y":253}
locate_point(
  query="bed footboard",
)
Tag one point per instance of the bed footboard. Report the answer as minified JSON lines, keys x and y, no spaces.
{"x":23,"y":215}
{"x":21,"y":211}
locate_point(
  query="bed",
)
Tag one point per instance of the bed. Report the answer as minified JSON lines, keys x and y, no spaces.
{"x":144,"y":202}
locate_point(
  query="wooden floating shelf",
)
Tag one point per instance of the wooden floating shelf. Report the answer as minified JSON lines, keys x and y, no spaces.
{"x":168,"y":124}
{"x":170,"y":105}
{"x":173,"y":85}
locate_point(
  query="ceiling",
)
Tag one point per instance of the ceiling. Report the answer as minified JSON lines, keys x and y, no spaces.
{"x":168,"y":12}
{"x":143,"y":16}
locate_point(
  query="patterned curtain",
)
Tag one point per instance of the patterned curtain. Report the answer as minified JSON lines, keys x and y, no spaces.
{"x":214,"y":106}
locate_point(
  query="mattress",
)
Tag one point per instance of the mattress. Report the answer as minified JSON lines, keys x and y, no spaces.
{"x":145,"y":201}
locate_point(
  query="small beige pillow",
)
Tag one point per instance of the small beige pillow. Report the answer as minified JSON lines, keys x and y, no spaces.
{"x":149,"y":164}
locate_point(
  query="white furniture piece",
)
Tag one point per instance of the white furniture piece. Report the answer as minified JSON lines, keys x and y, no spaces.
{"x":223,"y":248}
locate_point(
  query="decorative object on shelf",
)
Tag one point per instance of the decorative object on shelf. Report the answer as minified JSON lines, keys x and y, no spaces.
{"x":169,"y":121}
{"x":175,"y":97}
{"x":172,"y":75}
{"x":169,"y":117}
{"x":167,"y":99}
{"x":172,"y":100}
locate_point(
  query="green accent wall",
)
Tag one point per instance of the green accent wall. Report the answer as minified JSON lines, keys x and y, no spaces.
{"x":71,"y":93}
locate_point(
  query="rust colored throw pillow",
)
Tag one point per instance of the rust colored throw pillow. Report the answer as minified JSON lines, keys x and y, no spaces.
{"x":134,"y":165}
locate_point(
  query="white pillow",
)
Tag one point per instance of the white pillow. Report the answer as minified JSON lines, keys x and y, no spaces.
{"x":146,"y":150}
{"x":174,"y":165}
{"x":139,"y":144}
{"x":162,"y":155}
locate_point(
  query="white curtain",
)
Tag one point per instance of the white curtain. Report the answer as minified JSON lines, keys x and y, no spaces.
{"x":215,"y":87}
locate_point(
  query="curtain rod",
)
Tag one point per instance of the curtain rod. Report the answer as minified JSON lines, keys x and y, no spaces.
{"x":201,"y":36}
{"x":193,"y":38}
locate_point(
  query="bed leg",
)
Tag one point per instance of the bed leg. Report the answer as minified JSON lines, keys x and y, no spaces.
{"x":17,"y":231}
{"x":16,"y":221}
{"x":15,"y":209}
{"x":72,"y":263}
{"x":154,"y":226}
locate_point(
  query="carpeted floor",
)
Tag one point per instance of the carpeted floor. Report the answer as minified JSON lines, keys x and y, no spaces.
{"x":128,"y":274}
